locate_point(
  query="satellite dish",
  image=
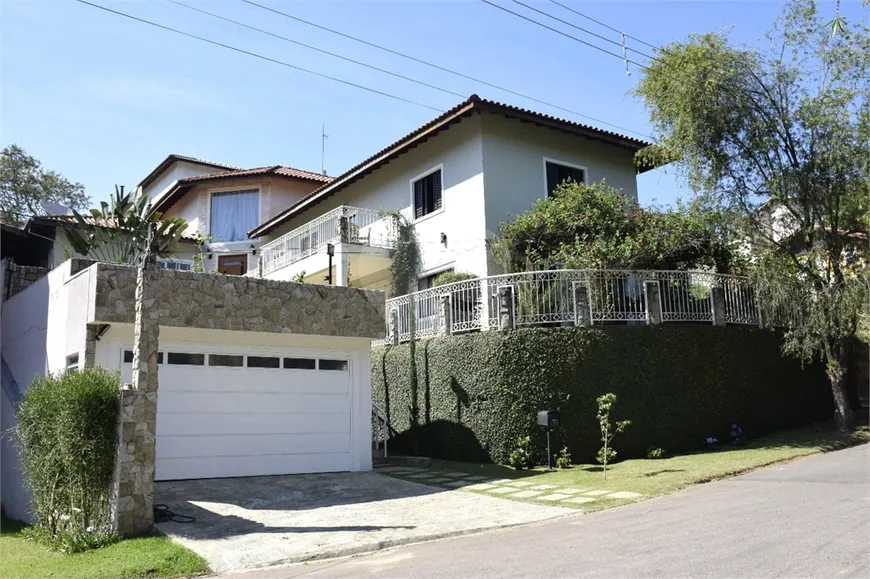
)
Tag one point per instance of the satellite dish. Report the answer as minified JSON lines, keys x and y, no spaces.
{"x":52,"y":208}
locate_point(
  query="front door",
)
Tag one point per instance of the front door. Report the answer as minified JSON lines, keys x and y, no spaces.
{"x":233,"y":264}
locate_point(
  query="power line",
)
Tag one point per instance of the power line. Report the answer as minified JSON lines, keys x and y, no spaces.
{"x":260,"y":56}
{"x":557,"y":31}
{"x":442,"y":68}
{"x":557,"y":19}
{"x":578,"y":13}
{"x":296,"y":42}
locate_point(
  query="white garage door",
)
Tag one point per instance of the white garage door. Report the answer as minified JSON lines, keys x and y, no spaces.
{"x":233,"y":412}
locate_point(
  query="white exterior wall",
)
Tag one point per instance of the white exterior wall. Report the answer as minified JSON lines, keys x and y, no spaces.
{"x":58,"y":301}
{"x":61,"y":251}
{"x":179,"y":170}
{"x":513,"y":161}
{"x":458,"y":150}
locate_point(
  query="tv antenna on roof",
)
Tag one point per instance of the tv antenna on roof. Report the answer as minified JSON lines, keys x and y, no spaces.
{"x":323,"y":137}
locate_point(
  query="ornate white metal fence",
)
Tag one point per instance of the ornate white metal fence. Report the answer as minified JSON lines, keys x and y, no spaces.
{"x":345,"y":224}
{"x":567,"y":297}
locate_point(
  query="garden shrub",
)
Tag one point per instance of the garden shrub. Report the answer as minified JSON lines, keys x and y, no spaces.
{"x":479,"y":393}
{"x":452,"y":277}
{"x":521,"y":457}
{"x":67,"y":435}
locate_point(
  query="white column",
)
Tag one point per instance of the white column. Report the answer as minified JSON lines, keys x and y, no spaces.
{"x":342,"y":266}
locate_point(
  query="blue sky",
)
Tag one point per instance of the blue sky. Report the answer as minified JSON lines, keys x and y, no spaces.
{"x":103,"y":99}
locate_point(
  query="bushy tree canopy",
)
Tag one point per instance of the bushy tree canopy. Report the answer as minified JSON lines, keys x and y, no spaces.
{"x":596,"y":226}
{"x":780,"y":137}
{"x":24,"y":184}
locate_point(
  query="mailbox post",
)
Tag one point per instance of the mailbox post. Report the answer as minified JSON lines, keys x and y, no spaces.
{"x":549,"y":419}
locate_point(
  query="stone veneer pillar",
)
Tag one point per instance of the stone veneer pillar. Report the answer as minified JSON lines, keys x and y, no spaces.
{"x":652,"y":292}
{"x":582,"y":311}
{"x":445,"y":324}
{"x":506,"y":308}
{"x":133,"y":488}
{"x":717,"y":298}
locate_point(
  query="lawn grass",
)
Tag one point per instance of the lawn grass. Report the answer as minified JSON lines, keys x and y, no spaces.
{"x":658,"y":477}
{"x":151,"y":557}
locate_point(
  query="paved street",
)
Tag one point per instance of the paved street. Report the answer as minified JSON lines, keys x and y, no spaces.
{"x":810,"y":518}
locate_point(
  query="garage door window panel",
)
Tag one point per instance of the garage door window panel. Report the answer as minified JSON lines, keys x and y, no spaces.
{"x":227,"y":360}
{"x":128,"y":357}
{"x":185,"y":359}
{"x":334,"y":365}
{"x":300,"y":363}
{"x":264,"y":362}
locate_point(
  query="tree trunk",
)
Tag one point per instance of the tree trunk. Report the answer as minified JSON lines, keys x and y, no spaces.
{"x":843,"y":415}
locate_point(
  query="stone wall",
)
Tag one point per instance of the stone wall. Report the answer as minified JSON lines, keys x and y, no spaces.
{"x":223,"y":302}
{"x":19,"y":277}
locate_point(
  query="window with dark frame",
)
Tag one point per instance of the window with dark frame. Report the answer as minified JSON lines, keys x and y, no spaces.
{"x":185,"y":359}
{"x":230,"y":360}
{"x":558,"y":174}
{"x":264,"y":362}
{"x":427,"y":194}
{"x":128,"y":357}
{"x":299,"y":363}
{"x":333,"y":365}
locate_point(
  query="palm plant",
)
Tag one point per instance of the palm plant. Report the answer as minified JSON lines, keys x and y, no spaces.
{"x":125,"y":230}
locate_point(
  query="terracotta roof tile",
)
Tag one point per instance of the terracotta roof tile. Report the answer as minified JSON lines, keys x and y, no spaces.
{"x":173,"y":158}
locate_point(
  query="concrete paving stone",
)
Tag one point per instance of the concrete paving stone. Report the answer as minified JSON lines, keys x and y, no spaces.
{"x":595,"y":493}
{"x":579,"y":500}
{"x":248,"y":523}
{"x":459,"y":483}
{"x":520,"y":483}
{"x":439,"y":480}
{"x":526,"y":494}
{"x":554,"y":497}
{"x":624,"y":495}
{"x":572,"y":490}
{"x":503,"y":490}
{"x":462,"y":474}
{"x":543,"y":487}
{"x":422,"y":475}
{"x":501,"y":481}
{"x":481,"y":487}
{"x":393,"y":469}
{"x":479,"y":478}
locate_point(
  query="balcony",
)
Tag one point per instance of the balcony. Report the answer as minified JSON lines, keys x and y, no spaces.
{"x":342,"y":227}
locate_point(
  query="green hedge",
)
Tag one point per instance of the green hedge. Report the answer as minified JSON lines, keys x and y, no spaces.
{"x":678,"y":384}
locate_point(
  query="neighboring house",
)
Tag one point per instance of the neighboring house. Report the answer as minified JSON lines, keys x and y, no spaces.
{"x":455,"y":178}
{"x":222,"y":203}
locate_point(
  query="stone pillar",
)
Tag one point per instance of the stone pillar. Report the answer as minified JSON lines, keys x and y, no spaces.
{"x":91,"y":346}
{"x":394,"y":326}
{"x":133,"y":488}
{"x":506,"y":308}
{"x":652,"y":292}
{"x":342,"y":267}
{"x":343,"y":230}
{"x":445,"y":322}
{"x":485,"y":305}
{"x":717,"y":299}
{"x":582,"y":311}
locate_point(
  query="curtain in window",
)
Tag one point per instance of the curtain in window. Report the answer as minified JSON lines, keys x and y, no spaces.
{"x":233,"y":214}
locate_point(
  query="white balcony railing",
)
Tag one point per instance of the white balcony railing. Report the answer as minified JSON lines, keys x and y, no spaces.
{"x":548,"y":298}
{"x":343,"y":224}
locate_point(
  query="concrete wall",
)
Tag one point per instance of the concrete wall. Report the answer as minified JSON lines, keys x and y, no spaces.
{"x":62,"y":251}
{"x":513,"y":161}
{"x":459,"y":152}
{"x":62,"y":301}
{"x":179,"y":170}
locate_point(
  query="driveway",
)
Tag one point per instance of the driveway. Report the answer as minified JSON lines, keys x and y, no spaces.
{"x":246,"y":523}
{"x":809,"y":518}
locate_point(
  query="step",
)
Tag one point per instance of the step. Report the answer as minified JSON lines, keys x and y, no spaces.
{"x":401,"y":460}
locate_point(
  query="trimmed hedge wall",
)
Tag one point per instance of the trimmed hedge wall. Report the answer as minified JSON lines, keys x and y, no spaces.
{"x":678,"y":384}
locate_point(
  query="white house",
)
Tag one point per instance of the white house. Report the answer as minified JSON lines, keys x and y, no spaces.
{"x":456,"y":178}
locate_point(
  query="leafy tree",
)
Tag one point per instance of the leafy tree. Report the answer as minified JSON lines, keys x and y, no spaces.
{"x":780,"y":137}
{"x":24,"y":184}
{"x":596,"y":226}
{"x":606,"y":454}
{"x":124,"y":230}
